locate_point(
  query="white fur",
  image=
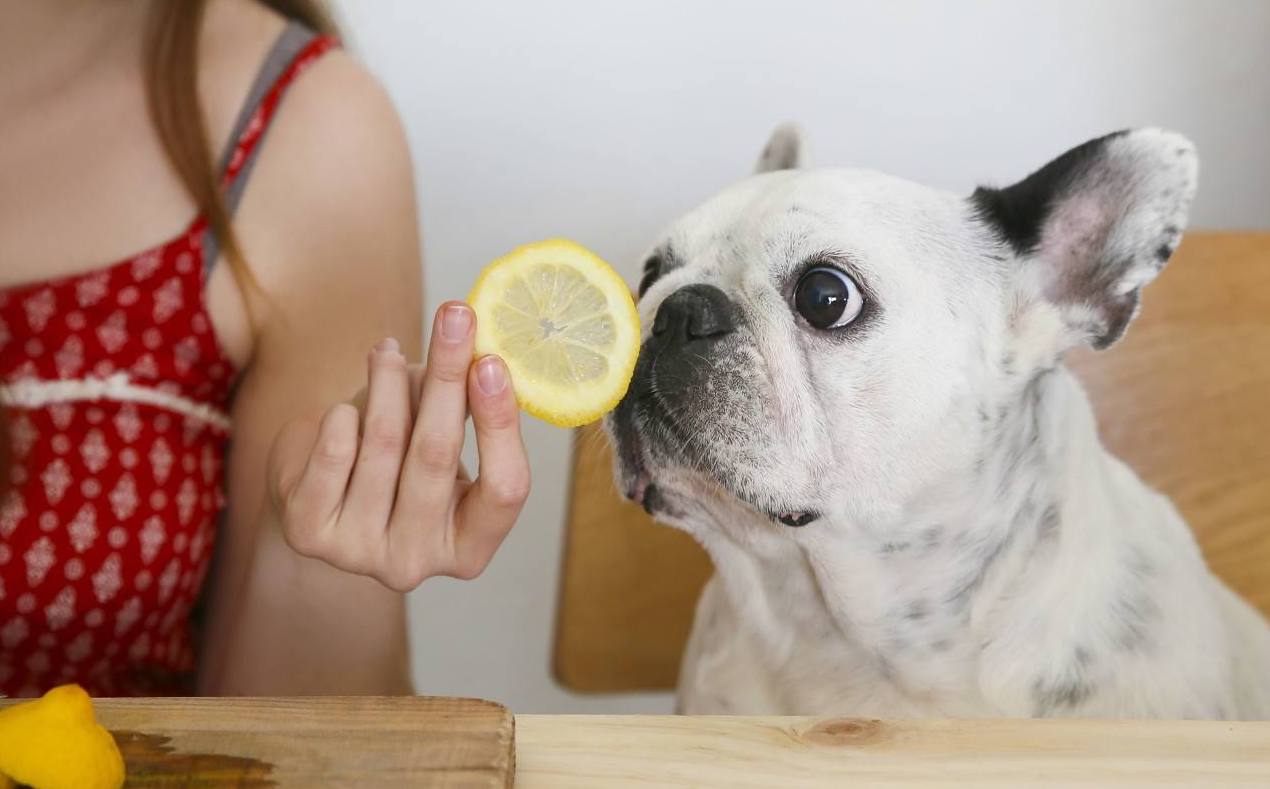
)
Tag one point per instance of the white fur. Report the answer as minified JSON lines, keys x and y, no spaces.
{"x":978,"y":552}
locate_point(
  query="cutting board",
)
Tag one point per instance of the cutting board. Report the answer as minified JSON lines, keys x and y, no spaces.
{"x":312,"y":742}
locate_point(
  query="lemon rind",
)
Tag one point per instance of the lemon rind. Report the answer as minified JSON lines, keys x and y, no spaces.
{"x":626,"y":346}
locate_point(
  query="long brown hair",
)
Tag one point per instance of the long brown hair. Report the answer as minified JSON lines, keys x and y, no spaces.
{"x":171,"y":71}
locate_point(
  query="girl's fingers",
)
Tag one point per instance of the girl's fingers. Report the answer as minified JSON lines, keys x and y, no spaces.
{"x":432,"y":460}
{"x":350,"y":487}
{"x":416,"y":389}
{"x":491,"y":505}
{"x":385,"y":430}
{"x":312,"y":467}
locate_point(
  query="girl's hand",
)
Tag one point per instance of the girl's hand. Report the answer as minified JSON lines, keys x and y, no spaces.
{"x":375,"y":487}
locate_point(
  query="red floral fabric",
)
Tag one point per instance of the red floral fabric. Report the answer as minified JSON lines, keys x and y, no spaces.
{"x":116,"y":392}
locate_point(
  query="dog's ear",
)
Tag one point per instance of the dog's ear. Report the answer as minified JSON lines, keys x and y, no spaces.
{"x":1096,"y":224}
{"x":785,"y":150}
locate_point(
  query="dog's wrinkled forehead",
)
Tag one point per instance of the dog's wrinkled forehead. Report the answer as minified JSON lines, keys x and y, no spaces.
{"x":889,"y":232}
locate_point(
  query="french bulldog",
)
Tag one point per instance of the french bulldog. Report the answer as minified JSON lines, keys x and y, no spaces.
{"x":851,"y":392}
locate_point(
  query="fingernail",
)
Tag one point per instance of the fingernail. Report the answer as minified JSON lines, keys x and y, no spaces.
{"x":491,"y":376}
{"x":388,"y":344}
{"x":456,"y":321}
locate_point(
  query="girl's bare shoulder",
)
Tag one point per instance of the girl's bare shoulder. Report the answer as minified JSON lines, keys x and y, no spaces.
{"x":336,"y":92}
{"x":336,"y":149}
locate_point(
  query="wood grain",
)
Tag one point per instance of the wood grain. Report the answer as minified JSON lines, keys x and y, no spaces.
{"x":312,"y":742}
{"x":1184,"y":399}
{"x":561,"y":752}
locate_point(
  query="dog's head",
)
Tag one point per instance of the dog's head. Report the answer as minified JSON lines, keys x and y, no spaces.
{"x":828,"y":344}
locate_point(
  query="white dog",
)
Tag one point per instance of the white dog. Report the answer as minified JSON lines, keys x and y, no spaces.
{"x":851,"y":392}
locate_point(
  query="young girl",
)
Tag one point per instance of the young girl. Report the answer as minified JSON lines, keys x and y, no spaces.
{"x":206,"y":218}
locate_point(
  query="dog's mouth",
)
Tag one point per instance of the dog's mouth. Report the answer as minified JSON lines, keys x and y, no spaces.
{"x":795,"y":518}
{"x":649,"y":434}
{"x":641,"y":489}
{"x":639,"y":480}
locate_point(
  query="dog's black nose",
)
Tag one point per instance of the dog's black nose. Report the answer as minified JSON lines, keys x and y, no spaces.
{"x":694,"y":312}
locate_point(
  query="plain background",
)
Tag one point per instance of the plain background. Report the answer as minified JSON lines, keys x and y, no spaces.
{"x":602,"y":121}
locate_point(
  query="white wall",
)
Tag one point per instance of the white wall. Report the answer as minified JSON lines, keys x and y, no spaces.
{"x":601,"y":121}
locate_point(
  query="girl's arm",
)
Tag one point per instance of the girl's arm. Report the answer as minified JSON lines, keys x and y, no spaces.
{"x":328,"y":224}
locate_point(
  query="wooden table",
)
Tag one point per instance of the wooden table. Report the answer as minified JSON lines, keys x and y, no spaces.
{"x":409,"y":742}
{"x":641,"y":751}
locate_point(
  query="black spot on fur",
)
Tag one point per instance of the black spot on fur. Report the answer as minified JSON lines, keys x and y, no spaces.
{"x":652,"y":271}
{"x":1140,"y":564}
{"x":1163,"y":252}
{"x":1018,"y":212}
{"x":932,"y":537}
{"x":894,"y":547}
{"x":1007,"y":363}
{"x":660,"y":263}
{"x":1015,"y":463}
{"x":1018,"y":438}
{"x":985,"y":554}
{"x":1071,"y":686}
{"x":1051,"y":518}
{"x":1134,"y":613}
{"x":1051,"y":696}
{"x":897,"y":643}
{"x":917,"y":610}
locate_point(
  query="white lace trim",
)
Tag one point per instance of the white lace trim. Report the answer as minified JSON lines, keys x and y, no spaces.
{"x":36,"y":393}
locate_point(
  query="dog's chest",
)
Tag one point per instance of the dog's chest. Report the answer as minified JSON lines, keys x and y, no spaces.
{"x":877,"y":646}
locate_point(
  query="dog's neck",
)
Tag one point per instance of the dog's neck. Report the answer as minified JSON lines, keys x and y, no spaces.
{"x":916,"y":595}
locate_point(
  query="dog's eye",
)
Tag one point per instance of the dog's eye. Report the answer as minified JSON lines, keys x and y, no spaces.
{"x":652,"y":270}
{"x":827,"y":298}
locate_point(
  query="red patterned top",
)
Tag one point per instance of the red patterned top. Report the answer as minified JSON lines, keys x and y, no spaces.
{"x":116,"y":391}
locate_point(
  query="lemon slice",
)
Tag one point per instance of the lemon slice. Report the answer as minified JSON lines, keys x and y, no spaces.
{"x":565,"y":324}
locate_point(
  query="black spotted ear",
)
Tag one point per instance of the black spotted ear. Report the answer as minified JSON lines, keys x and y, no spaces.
{"x":1096,"y":224}
{"x":785,"y":150}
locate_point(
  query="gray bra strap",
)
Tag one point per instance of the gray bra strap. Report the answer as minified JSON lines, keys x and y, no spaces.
{"x":289,"y":44}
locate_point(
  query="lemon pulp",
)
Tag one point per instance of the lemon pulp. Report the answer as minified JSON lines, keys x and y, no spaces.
{"x":565,"y":324}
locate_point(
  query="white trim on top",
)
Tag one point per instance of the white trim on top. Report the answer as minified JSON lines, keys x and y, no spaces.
{"x":36,"y":393}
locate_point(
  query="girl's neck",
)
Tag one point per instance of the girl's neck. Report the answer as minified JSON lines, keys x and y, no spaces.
{"x":46,"y":45}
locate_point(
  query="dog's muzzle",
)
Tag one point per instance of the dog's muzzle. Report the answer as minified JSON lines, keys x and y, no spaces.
{"x":670,"y":377}
{"x":689,"y":321}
